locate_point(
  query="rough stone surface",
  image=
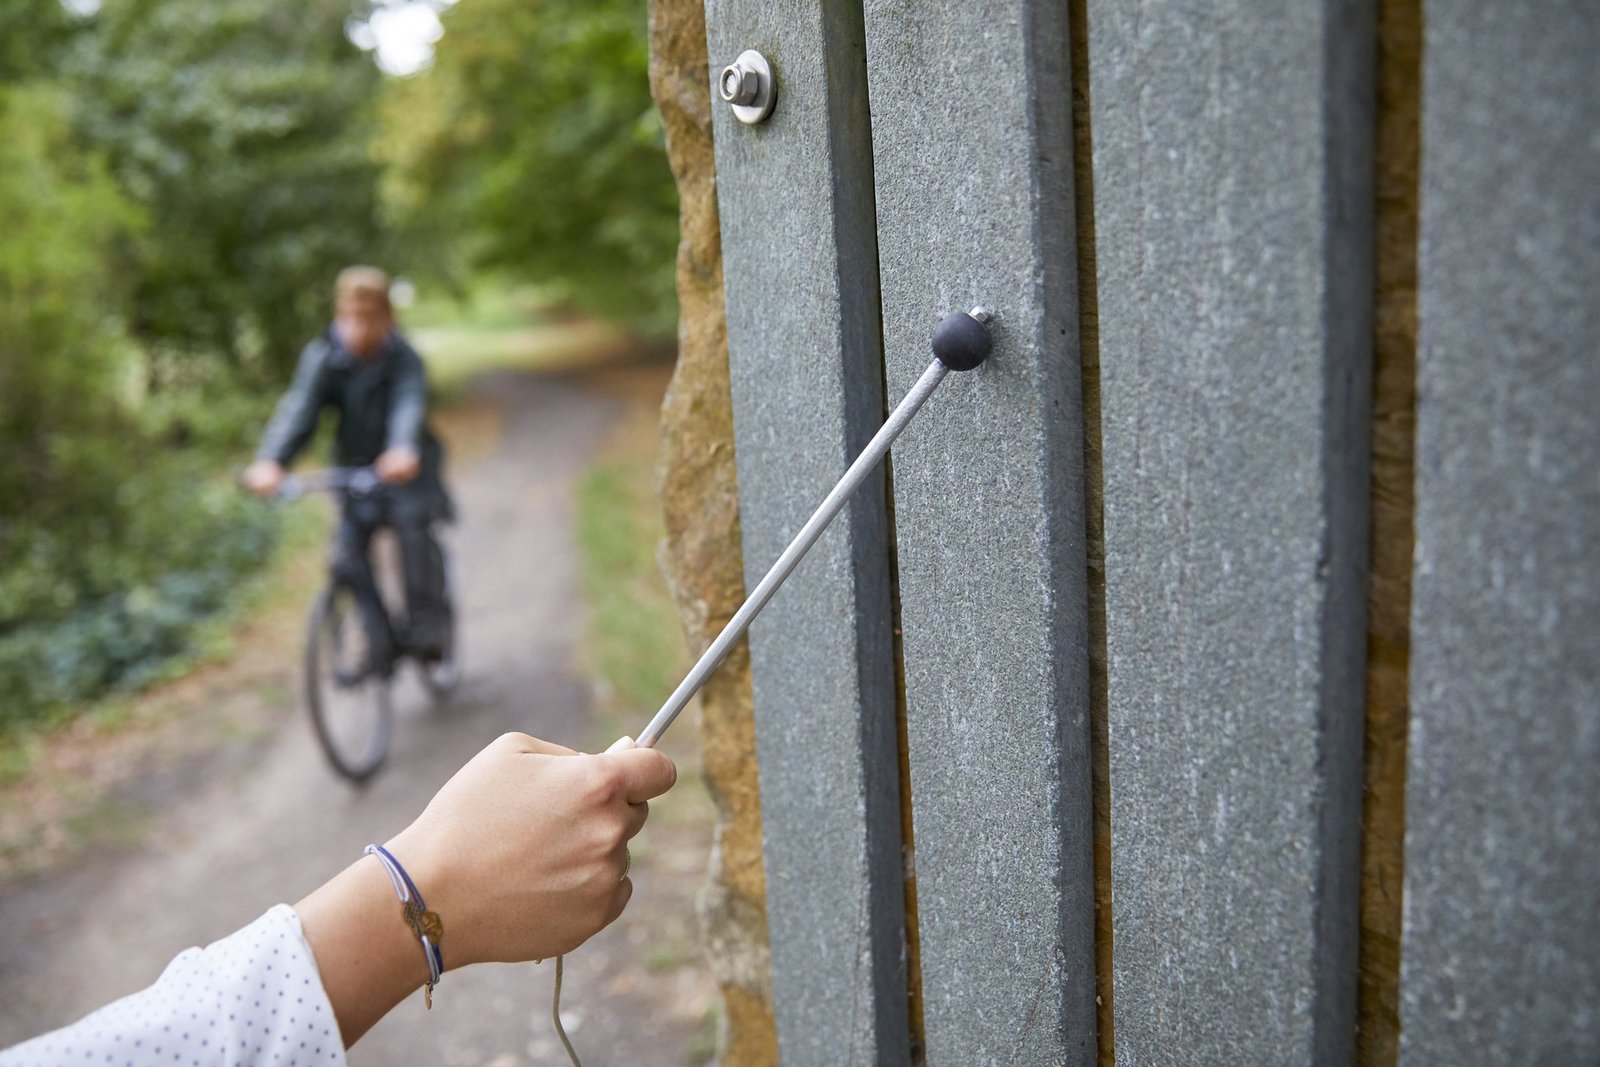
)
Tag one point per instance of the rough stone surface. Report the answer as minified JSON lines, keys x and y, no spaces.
{"x":795,"y":199}
{"x":975,"y":204}
{"x":1501,"y":954}
{"x":1232,"y":203}
{"x":700,"y":555}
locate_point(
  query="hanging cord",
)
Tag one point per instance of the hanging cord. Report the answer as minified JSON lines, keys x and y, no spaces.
{"x":555,"y":993}
{"x":555,"y":1015}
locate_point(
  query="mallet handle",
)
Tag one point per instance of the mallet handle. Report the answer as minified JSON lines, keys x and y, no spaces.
{"x":791,"y":557}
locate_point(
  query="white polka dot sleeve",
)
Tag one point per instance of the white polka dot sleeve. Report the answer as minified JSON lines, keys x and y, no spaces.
{"x":253,"y":998}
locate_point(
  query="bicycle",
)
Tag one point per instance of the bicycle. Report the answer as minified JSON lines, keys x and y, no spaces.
{"x":349,"y":668}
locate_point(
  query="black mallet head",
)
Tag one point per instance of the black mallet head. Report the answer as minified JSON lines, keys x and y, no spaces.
{"x":961,"y":340}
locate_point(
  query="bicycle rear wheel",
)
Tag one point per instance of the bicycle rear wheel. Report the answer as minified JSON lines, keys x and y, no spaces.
{"x":347,"y":695}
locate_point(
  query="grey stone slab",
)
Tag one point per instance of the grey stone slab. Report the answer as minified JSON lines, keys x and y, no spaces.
{"x":1232,"y":156}
{"x":1500,"y":961}
{"x":973,"y":158}
{"x":800,"y":259}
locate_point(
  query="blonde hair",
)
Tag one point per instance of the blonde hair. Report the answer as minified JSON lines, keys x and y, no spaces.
{"x":363,"y":282}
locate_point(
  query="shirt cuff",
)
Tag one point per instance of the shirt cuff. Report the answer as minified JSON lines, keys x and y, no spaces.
{"x":254,"y":997}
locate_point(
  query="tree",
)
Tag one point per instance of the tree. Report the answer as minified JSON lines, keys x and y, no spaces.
{"x":63,"y":431}
{"x":243,"y":130}
{"x":59,"y":299}
{"x":34,"y":35}
{"x":535,"y":133}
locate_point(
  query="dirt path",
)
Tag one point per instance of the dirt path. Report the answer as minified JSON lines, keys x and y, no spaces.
{"x":219,"y":836}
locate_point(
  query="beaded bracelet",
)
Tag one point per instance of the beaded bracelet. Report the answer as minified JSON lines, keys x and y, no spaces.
{"x":424,"y":923}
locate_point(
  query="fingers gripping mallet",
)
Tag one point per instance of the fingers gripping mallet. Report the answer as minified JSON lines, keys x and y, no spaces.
{"x":960,"y":342}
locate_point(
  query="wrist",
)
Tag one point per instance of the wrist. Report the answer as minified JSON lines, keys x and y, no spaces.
{"x":364,"y":950}
{"x":434,"y":879}
{"x":424,"y":923}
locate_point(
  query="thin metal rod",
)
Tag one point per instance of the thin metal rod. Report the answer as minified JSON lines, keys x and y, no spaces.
{"x":831,"y":505}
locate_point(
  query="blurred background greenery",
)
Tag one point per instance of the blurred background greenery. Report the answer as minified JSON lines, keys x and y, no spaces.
{"x":179,"y":182}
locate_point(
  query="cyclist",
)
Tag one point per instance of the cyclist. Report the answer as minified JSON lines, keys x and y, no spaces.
{"x":365,"y":370}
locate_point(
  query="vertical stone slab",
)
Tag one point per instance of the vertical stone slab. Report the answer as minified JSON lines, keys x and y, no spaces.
{"x":800,"y":263}
{"x":973,"y":150}
{"x":1500,"y":961}
{"x":1232,"y":156}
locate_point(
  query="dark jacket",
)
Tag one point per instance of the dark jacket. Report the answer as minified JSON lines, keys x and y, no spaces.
{"x":382,"y":401}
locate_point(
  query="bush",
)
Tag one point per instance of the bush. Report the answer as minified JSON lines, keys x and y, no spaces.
{"x":113,"y":545}
{"x":183,"y":553}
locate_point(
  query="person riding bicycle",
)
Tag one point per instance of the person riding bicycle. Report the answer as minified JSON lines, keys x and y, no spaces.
{"x":364,"y":369}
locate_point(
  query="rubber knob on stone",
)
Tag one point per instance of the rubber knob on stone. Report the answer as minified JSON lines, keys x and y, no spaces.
{"x":961,"y":342}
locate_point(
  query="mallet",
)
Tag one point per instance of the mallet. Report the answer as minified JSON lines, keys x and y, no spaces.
{"x":960,"y":342}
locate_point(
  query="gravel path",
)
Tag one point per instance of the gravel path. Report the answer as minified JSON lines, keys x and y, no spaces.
{"x":218,"y":837}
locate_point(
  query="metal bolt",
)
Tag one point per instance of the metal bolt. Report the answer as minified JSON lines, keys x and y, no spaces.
{"x":740,"y":85}
{"x":746,"y":85}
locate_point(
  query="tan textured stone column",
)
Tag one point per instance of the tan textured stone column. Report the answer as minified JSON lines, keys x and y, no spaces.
{"x":701,"y":554}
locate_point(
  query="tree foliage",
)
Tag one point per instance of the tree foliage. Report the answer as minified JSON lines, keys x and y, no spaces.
{"x":179,"y":182}
{"x":34,"y":34}
{"x":109,"y":551}
{"x":59,"y":296}
{"x":242,"y":129}
{"x":535,"y":132}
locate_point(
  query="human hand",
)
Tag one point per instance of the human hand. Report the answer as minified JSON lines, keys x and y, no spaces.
{"x":523,"y":853}
{"x":398,"y":465}
{"x":263,"y":477}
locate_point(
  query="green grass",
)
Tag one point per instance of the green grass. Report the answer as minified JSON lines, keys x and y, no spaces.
{"x":633,"y":646}
{"x":488,"y":305}
{"x":108,"y":823}
{"x":502,"y":327}
{"x":667,"y":956}
{"x":18,"y":750}
{"x":706,"y":1044}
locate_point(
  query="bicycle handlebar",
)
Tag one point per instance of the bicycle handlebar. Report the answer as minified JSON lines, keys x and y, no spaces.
{"x":360,"y":481}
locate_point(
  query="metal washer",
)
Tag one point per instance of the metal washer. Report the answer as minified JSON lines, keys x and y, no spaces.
{"x":752,"y":62}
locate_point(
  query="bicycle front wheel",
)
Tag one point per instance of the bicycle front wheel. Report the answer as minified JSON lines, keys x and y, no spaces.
{"x":346,"y":691}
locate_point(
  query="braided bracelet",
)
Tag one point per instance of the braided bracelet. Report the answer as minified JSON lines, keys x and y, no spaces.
{"x":424,"y":923}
